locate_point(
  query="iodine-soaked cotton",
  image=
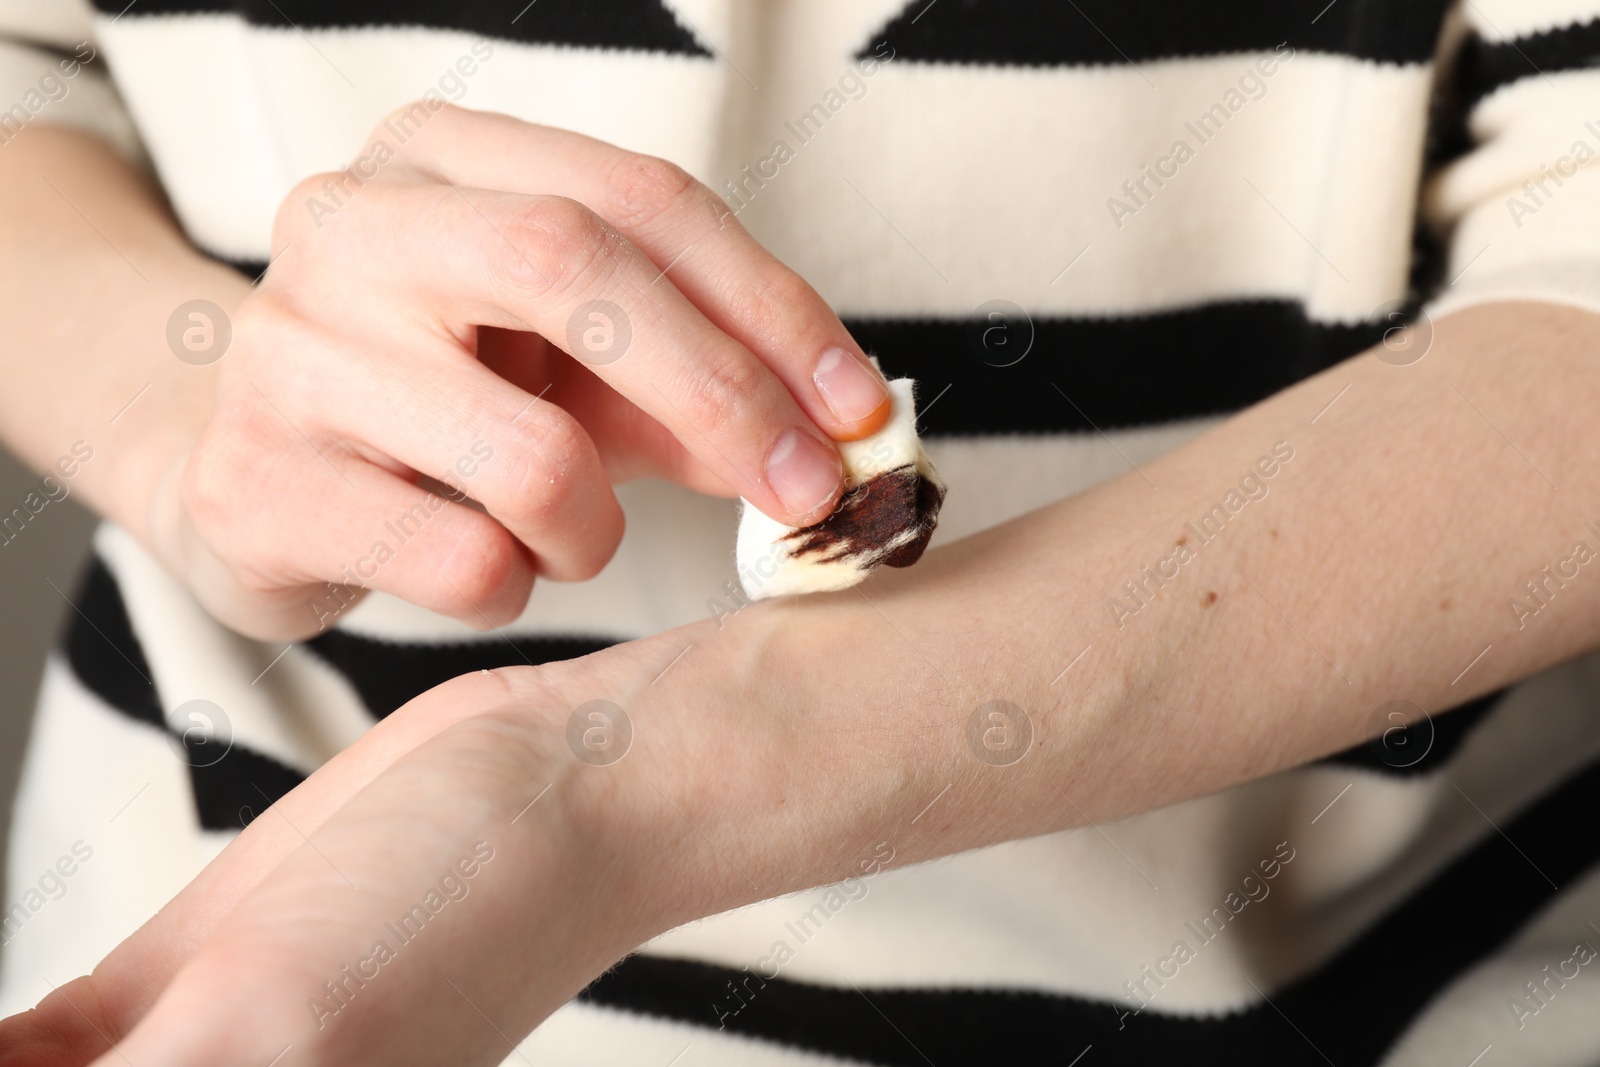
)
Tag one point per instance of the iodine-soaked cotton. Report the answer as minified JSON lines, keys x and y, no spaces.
{"x":885,"y":518}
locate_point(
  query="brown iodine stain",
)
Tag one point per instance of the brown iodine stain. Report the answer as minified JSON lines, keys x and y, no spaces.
{"x":930,"y":498}
{"x":871,"y":517}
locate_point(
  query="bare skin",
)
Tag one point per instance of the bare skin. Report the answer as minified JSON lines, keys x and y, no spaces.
{"x":1378,"y":567}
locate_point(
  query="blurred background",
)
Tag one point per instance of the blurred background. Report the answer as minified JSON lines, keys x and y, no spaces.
{"x":51,"y":547}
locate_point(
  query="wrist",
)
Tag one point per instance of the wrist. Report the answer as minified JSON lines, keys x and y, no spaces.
{"x":710,"y":752}
{"x":144,"y":419}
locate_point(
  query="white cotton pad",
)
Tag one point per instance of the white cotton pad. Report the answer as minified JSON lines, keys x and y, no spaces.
{"x":888,"y":512}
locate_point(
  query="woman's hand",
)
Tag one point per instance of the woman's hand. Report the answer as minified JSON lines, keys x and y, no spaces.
{"x":382,"y":937}
{"x":526,"y":315}
{"x":467,"y":867}
{"x":484,"y":808}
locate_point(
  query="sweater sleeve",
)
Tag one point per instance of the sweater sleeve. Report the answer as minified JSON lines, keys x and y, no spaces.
{"x":1517,"y":202}
{"x":52,"y":71}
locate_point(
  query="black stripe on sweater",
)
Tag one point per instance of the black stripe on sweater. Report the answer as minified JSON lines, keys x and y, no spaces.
{"x":1048,"y":33}
{"x":636,"y":25}
{"x":1080,"y":374}
{"x":1418,"y":747}
{"x":1348,"y":1012}
{"x":1109,"y":373}
{"x":386,"y":674}
{"x":106,"y":657}
{"x":104,"y":652}
{"x":238,"y":786}
{"x":1484,"y":67}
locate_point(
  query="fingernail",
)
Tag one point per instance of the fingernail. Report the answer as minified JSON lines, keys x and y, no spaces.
{"x":804,"y":472}
{"x":851,"y":389}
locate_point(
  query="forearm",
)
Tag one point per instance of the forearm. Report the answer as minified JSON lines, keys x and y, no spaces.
{"x":1378,"y":565}
{"x":93,"y":266}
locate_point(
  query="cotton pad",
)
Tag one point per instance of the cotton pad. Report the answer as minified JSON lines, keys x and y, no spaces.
{"x":888,"y":512}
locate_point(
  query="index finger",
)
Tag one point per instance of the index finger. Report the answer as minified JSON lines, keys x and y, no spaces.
{"x":549,"y":265}
{"x":689,"y":233}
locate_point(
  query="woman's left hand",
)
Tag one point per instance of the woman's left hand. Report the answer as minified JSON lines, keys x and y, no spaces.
{"x":366,"y":916}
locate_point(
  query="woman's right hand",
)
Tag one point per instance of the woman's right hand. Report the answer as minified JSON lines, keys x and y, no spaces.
{"x":527,"y":315}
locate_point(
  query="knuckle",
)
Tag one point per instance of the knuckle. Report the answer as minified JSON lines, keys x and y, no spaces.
{"x":258,"y":318}
{"x":545,"y":465}
{"x":411,"y":114}
{"x":485,"y":559}
{"x":595,"y":553}
{"x":256,"y":583}
{"x":715,"y":397}
{"x":211,"y":480}
{"x":276,"y":342}
{"x":777,"y":303}
{"x":296,"y":212}
{"x":639,"y":189}
{"x":554,"y":244}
